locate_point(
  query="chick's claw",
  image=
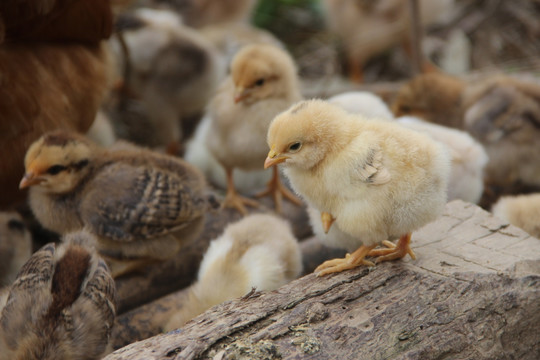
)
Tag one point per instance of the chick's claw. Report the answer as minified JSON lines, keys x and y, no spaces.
{"x":350,"y":261}
{"x":397,"y":252}
{"x":238,"y":202}
{"x":278,"y":190}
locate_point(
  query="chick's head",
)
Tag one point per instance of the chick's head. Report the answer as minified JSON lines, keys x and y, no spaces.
{"x":57,"y":162}
{"x":262,"y":71}
{"x":306,"y":133}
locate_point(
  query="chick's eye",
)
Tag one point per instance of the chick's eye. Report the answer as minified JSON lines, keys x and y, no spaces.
{"x":295,"y":146}
{"x":259,"y":82}
{"x":55,"y":169}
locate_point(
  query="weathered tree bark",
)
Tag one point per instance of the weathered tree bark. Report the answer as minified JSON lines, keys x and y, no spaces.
{"x":472,"y":293}
{"x":163,"y":278}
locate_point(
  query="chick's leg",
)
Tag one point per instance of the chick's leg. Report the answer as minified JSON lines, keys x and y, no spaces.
{"x":233,"y":199}
{"x":349,"y":262}
{"x":394,"y":251}
{"x":277,"y":190}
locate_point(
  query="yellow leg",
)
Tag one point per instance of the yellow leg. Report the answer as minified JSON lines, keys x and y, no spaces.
{"x":277,"y":190}
{"x":394,"y":251}
{"x":233,"y":199}
{"x":349,"y":262}
{"x":355,"y":69}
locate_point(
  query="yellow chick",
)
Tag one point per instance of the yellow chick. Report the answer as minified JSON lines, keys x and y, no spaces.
{"x":522,"y":211}
{"x":259,"y":251}
{"x":263,"y":82}
{"x":376,"y":180}
{"x":368,"y":28}
{"x":141,"y":205}
{"x":15,"y":246}
{"x":61,"y":305}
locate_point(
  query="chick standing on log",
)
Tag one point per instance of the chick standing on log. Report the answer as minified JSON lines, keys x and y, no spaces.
{"x":262,"y":84}
{"x":259,"y":251}
{"x":141,"y":205}
{"x":61,"y":305}
{"x":375,"y":179}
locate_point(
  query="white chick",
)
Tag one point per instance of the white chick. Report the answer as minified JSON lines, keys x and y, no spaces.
{"x":259,"y":251}
{"x":375,"y":180}
{"x":15,"y":246}
{"x":522,"y":211}
{"x":469,"y":158}
{"x":363,"y":102}
{"x":263,"y":82}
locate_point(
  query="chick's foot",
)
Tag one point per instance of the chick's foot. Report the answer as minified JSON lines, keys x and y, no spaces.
{"x":394,"y":252}
{"x":350,"y":261}
{"x":238,"y":202}
{"x":278,"y":190}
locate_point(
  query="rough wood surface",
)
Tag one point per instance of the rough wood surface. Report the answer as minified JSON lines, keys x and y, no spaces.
{"x":472,"y":293}
{"x":163,"y":278}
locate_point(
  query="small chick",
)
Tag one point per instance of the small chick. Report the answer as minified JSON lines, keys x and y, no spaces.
{"x":141,"y":205}
{"x":376,"y":180}
{"x":15,"y":246}
{"x":433,"y":97}
{"x":522,"y":211}
{"x":61,"y":305}
{"x":258,"y":252}
{"x":263,"y":82}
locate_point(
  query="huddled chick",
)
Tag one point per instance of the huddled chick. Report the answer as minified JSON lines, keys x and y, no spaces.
{"x":263,"y":82}
{"x":368,"y":28}
{"x":522,"y":211}
{"x":15,"y":246}
{"x":373,"y":180}
{"x":61,"y":305}
{"x":141,"y":205}
{"x":172,"y":70}
{"x":258,"y":252}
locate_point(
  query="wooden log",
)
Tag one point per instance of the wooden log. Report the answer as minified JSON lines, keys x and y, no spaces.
{"x":149,"y":319}
{"x":473,"y":292}
{"x":160,"y":279}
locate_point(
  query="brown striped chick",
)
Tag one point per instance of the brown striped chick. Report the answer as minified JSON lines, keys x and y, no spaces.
{"x":259,"y":251}
{"x":263,"y":83}
{"x":61,"y":305}
{"x":434,"y":97}
{"x":140,"y":205}
{"x":368,"y":28}
{"x":15,"y":246}
{"x":375,"y":180}
{"x":522,"y":211}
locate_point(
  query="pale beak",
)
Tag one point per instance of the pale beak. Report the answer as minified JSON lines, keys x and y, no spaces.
{"x":327,"y":220}
{"x":274,"y":158}
{"x":29,"y":179}
{"x":240,"y":94}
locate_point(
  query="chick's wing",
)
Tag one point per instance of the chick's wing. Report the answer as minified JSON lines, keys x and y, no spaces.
{"x":128,"y":202}
{"x":371,"y":169}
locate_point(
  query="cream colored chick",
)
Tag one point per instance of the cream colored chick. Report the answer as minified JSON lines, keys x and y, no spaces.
{"x":375,"y":180}
{"x":362,"y":102}
{"x":522,"y":211}
{"x":434,"y":97}
{"x":368,"y":28}
{"x":15,"y":246}
{"x":259,"y":251}
{"x":61,"y":306}
{"x":263,"y":82}
{"x":141,"y":205}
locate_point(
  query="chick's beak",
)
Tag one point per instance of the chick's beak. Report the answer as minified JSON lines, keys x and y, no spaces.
{"x":29,"y":179}
{"x":240,"y":94}
{"x":274,"y":158}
